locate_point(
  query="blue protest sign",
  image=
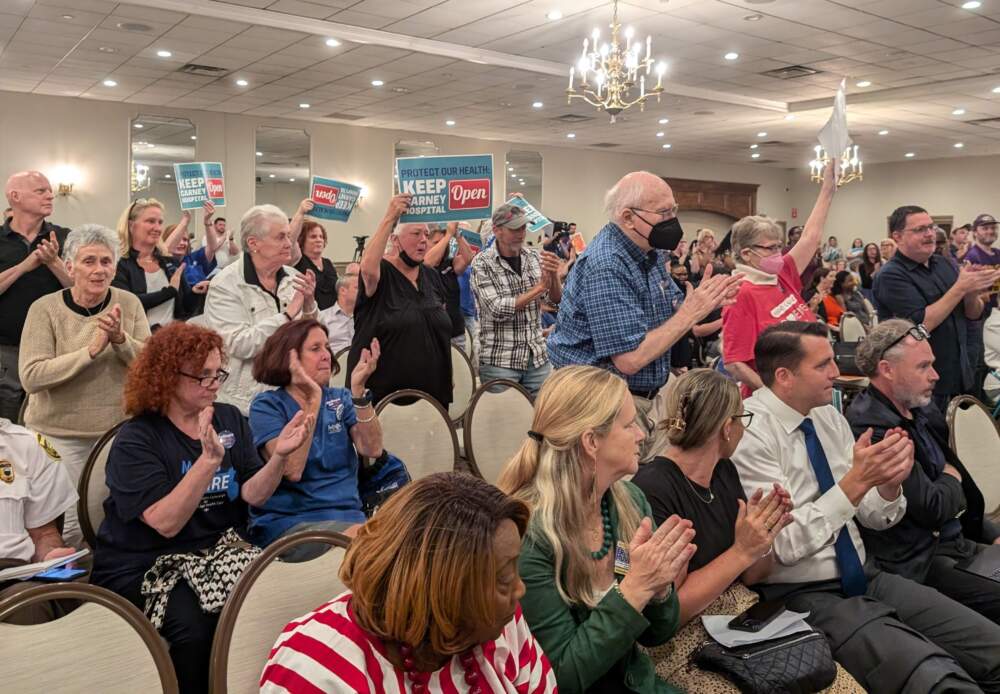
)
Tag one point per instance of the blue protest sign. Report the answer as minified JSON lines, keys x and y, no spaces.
{"x":198,"y":182}
{"x":332,"y":199}
{"x":447,"y":189}
{"x":536,"y":220}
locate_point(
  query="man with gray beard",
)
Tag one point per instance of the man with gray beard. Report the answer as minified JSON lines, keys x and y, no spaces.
{"x":944,"y":522}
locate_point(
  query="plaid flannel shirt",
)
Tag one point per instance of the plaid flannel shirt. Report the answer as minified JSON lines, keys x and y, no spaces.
{"x":507,"y":338}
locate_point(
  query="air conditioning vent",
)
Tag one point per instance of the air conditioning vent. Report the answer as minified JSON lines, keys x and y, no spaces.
{"x":770,"y":143}
{"x":993,"y":122}
{"x":790,"y":72}
{"x":764,"y":161}
{"x":606,"y":145}
{"x":203,"y":70}
{"x":343,"y":116}
{"x":572,"y":118}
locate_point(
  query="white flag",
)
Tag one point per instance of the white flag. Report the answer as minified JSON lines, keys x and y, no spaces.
{"x":834,"y":136}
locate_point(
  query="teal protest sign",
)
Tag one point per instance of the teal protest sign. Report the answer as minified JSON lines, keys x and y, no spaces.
{"x":198,"y":182}
{"x":332,"y":199}
{"x":536,"y":220}
{"x":447,"y":189}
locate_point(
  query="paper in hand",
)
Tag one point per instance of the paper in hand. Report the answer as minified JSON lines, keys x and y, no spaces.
{"x":834,"y":136}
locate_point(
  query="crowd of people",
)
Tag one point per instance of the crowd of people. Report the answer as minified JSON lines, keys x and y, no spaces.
{"x":685,"y":455}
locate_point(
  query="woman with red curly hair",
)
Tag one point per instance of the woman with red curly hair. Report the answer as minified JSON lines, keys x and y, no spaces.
{"x":181,"y":473}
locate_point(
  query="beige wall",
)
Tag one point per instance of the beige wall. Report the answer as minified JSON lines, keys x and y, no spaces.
{"x":962,"y":188}
{"x":45,"y":132}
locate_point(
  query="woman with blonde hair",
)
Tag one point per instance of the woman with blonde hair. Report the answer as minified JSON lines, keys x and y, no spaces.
{"x":589,"y":526}
{"x":146,"y":269}
{"x":432,"y":604}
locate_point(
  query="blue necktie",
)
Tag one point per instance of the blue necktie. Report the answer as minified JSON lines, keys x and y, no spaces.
{"x":852,"y":574}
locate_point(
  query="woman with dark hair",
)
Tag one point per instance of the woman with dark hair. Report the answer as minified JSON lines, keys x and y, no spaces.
{"x":857,"y":248}
{"x":845,"y":293}
{"x":312,"y":242}
{"x":320,"y":485}
{"x":819,"y":291}
{"x":432,"y":604}
{"x":871,"y":262}
{"x":180,"y":475}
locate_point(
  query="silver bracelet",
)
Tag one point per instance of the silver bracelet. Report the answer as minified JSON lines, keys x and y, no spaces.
{"x":370,"y":419}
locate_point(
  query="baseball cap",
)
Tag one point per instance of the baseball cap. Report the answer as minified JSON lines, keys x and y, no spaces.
{"x":509,"y":217}
{"x":983,"y":220}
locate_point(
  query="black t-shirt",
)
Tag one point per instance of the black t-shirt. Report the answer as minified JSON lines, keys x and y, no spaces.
{"x":669,"y":492}
{"x":15,"y":302}
{"x":326,"y":281}
{"x":514,"y":262}
{"x":147,"y":460}
{"x":453,"y":295}
{"x":413,"y":330}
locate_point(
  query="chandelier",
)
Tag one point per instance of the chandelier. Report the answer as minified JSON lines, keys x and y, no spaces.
{"x":615,"y":69}
{"x":849,"y":165}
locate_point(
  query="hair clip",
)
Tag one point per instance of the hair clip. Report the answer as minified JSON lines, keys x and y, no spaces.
{"x":536,"y":436}
{"x":676,"y":423}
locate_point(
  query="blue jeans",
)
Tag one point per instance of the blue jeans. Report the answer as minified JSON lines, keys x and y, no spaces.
{"x":531,"y":378}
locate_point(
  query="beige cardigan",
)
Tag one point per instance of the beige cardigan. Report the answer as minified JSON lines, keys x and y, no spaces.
{"x":71,"y":394}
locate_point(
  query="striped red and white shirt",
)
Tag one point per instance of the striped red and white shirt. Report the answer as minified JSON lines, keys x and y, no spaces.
{"x":326,"y":651}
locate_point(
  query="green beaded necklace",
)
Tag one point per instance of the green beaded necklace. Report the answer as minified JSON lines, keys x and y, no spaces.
{"x":608,"y":537}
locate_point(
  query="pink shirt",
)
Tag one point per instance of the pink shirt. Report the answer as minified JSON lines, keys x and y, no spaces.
{"x":326,"y":651}
{"x":763,"y":300}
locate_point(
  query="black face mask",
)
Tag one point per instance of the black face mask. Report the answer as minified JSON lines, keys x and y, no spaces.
{"x":410,"y":262}
{"x":664,"y":235}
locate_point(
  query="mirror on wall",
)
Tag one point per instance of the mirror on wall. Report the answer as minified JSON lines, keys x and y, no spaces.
{"x":523,"y":173}
{"x":157,"y":143}
{"x":282,"y":167}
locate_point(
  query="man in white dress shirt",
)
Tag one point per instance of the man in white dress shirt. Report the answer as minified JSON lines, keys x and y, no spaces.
{"x":339,"y":318}
{"x":890,"y":633}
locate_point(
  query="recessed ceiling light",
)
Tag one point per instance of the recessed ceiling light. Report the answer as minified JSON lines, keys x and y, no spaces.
{"x":667,"y":146}
{"x":271,"y":175}
{"x":194,"y":137}
{"x":377,"y":83}
{"x":67,"y":16}
{"x":660,"y":134}
{"x":537,"y":104}
{"x":754,"y":146}
{"x":138,"y":126}
{"x":958,"y":112}
{"x":762,"y":134}
{"x":164,"y":54}
{"x":554,"y":15}
{"x":513,"y":175}
{"x":332,"y":43}
{"x":167,"y":176}
{"x":663,"y":121}
{"x":958,"y":145}
{"x":910,"y":155}
{"x":731,"y":56}
{"x":260,"y":154}
{"x":110,"y":83}
{"x":304,"y":105}
{"x":449,"y":123}
{"x":972,"y":5}
{"x":864,"y":83}
{"x":241,"y":83}
{"x":107,"y":49}
{"x":996,"y":90}
{"x":883,"y":132}
{"x":510,"y":168}
{"x":789,"y":116}
{"x":753,"y":17}
{"x":571,"y":135}
{"x":291,"y":180}
{"x":755,"y":155}
{"x":150,"y":145}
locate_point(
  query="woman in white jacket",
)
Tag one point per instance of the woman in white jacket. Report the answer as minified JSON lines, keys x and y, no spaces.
{"x":251,"y":298}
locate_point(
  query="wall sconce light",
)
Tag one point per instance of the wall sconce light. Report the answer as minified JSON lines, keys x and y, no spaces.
{"x":66,"y":177}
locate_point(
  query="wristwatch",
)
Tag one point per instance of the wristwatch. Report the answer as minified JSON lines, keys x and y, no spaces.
{"x":364,"y":400}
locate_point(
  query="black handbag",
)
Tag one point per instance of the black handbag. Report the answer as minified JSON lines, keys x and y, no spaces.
{"x":377,"y":482}
{"x":797,"y":664}
{"x":843,"y":354}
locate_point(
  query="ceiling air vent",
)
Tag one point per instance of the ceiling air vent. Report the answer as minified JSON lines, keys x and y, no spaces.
{"x":343,"y":116}
{"x":790,"y":72}
{"x":572,"y":118}
{"x":764,"y":161}
{"x":771,"y":143}
{"x":606,"y":145}
{"x":987,"y":122}
{"x":202,"y":70}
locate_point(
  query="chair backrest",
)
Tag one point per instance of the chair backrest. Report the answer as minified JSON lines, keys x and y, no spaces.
{"x":974,"y":437}
{"x":93,"y":488}
{"x":851,"y":328}
{"x":496,"y":424}
{"x":470,"y":349}
{"x":420,"y":433}
{"x":463,"y":381}
{"x":22,"y":410}
{"x":106,"y":645}
{"x":341,"y":359}
{"x":269,"y":595}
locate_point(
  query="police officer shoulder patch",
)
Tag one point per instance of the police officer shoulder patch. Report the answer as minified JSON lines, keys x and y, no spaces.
{"x":47,"y":447}
{"x":6,"y":471}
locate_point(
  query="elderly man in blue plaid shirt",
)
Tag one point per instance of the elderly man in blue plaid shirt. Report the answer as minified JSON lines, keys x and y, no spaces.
{"x":621,"y":309}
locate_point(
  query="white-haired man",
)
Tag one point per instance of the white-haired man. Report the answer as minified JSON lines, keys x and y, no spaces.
{"x":30,"y":267}
{"x":621,"y":310}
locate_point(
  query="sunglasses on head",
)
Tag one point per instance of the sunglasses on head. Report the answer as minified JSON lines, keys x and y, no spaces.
{"x":917,"y":332}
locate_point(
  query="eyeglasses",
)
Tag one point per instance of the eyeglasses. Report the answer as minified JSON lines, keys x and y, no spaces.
{"x":921,"y":229}
{"x":668,"y":213}
{"x":918,"y":332}
{"x":773,"y":248}
{"x":208,"y":381}
{"x":744,"y":418}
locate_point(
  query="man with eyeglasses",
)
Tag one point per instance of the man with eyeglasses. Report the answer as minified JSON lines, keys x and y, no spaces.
{"x":928,"y":289}
{"x":30,"y":267}
{"x":944,"y":521}
{"x":621,"y":310}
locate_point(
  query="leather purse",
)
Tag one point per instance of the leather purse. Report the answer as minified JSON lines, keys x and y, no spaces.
{"x":797,"y":664}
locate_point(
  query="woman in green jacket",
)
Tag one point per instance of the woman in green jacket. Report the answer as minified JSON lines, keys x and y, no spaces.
{"x":598,"y":573}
